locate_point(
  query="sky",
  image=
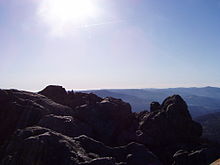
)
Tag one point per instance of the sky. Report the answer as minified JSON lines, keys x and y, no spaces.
{"x":102,"y":44}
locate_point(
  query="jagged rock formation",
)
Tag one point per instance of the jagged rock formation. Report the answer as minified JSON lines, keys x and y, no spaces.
{"x":170,"y":124}
{"x":59,"y":127}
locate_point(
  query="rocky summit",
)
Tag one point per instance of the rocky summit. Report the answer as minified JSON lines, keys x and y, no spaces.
{"x":60,"y":127}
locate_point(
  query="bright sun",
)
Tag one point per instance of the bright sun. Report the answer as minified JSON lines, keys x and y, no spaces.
{"x":61,"y":14}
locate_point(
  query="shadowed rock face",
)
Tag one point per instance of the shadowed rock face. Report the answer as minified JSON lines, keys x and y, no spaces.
{"x":19,"y":109}
{"x":171,"y":123}
{"x":71,"y":99}
{"x":108,"y":118}
{"x":37,"y":145}
{"x":47,"y":128}
{"x":154,"y":106}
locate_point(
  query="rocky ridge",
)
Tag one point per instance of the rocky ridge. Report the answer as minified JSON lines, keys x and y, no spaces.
{"x":59,"y":127}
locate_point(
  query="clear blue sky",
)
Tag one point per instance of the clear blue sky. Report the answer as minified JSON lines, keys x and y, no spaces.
{"x":83,"y":44}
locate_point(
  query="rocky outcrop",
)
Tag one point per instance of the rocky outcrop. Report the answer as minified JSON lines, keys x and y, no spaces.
{"x":19,"y":109}
{"x":71,"y":99}
{"x":109,"y":119}
{"x":170,"y":124}
{"x":77,"y":128}
{"x":36,"y":145}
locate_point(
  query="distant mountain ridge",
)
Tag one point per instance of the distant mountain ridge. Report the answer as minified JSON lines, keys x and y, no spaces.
{"x":201,"y":101}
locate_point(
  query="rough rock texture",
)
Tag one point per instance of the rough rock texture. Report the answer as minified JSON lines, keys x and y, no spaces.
{"x":201,"y":156}
{"x":59,"y":127}
{"x":108,"y":118}
{"x":37,"y":145}
{"x":171,"y":123}
{"x":19,"y":109}
{"x":66,"y":125}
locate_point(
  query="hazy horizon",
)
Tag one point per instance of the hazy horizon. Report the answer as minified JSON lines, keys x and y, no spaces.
{"x":91,"y":89}
{"x":109,"y":44}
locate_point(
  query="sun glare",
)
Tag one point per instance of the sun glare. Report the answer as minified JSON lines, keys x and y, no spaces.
{"x":61,"y":14}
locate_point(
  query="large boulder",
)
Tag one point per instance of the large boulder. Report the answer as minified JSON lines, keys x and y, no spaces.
{"x":67,"y":125}
{"x":20,"y":109}
{"x":132,"y":153}
{"x":108,"y":119}
{"x":37,"y":145}
{"x":54,"y":92}
{"x":69,"y":98}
